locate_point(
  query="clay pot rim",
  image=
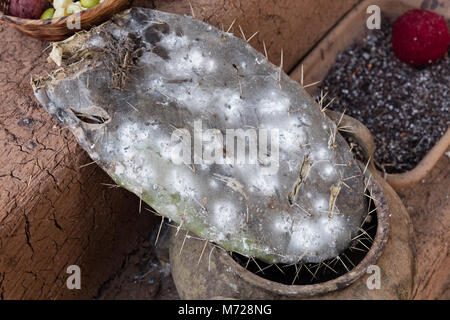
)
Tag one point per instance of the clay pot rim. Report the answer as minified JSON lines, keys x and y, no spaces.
{"x":380,"y":240}
{"x":318,"y":54}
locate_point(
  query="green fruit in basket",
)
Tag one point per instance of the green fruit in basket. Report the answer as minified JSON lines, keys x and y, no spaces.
{"x":134,"y":110}
{"x":89,"y":3}
{"x":48,"y":14}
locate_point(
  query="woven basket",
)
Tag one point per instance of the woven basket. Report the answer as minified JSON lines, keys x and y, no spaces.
{"x":61,"y":28}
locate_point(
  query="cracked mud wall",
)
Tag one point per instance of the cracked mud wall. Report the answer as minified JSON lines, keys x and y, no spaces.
{"x":52,"y":212}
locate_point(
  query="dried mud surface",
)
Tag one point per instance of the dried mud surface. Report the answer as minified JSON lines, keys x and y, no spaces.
{"x":407,"y":109}
{"x":53,"y":212}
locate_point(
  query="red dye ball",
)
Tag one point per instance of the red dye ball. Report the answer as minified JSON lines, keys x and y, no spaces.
{"x":420,"y":37}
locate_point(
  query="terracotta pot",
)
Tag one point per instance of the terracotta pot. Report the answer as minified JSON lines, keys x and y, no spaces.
{"x":353,"y":28}
{"x":203,"y":271}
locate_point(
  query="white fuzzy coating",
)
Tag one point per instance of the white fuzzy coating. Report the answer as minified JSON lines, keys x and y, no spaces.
{"x":213,"y":77}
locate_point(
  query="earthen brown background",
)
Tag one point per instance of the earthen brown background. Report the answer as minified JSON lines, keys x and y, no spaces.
{"x":55,"y":212}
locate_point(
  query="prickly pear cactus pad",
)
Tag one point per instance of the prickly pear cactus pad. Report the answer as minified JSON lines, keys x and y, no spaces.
{"x":149,"y":85}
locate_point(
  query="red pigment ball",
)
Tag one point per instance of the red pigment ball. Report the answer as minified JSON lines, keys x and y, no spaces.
{"x":420,"y":37}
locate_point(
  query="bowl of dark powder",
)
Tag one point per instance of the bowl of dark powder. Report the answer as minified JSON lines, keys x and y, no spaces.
{"x":407,"y":109}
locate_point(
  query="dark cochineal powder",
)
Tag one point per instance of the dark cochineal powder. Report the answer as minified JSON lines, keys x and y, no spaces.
{"x":405,"y":108}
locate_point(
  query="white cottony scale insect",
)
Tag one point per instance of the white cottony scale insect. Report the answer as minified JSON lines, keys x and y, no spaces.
{"x":272,"y":187}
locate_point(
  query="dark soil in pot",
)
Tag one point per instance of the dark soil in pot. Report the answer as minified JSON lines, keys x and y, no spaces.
{"x":407,"y":109}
